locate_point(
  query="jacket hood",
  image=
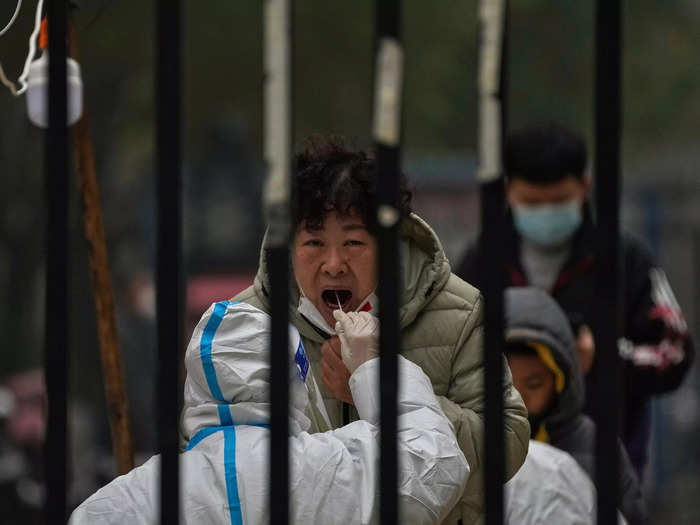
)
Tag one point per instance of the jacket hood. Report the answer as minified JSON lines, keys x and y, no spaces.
{"x":534,"y":316}
{"x":228,"y":370}
{"x":424,"y":272}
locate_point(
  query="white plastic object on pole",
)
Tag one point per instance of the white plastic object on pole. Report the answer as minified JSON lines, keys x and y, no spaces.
{"x":491,"y":18}
{"x":38,"y":90}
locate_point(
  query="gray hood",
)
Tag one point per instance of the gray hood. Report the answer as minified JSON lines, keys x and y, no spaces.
{"x":532,"y":315}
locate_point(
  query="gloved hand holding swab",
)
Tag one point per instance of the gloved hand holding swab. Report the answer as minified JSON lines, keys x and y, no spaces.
{"x":359,"y":337}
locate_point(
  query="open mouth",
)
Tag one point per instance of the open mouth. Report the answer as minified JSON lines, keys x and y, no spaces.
{"x":333,"y":297}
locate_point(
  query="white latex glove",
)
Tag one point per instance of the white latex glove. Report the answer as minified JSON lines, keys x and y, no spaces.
{"x":359,"y":337}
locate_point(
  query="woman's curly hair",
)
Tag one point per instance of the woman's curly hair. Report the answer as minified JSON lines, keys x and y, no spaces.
{"x":330,"y":177}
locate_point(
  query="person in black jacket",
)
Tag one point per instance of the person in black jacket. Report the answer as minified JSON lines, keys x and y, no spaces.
{"x":550,"y":244}
{"x":541,"y":352}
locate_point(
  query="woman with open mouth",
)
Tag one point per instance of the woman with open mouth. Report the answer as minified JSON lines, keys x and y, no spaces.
{"x":334,"y":253}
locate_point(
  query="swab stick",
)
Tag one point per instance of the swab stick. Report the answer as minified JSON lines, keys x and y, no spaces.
{"x":338,"y":299}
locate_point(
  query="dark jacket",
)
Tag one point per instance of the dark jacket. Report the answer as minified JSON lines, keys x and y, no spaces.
{"x":653,"y":323}
{"x":533,"y":316}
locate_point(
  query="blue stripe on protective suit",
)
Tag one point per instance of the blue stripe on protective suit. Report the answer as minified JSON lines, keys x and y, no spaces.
{"x":199,"y":436}
{"x":205,"y":348}
{"x":225,"y":415}
{"x":208,"y":431}
{"x":234,"y":502}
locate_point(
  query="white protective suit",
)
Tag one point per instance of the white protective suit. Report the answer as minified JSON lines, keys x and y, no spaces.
{"x":333,"y":474}
{"x":550,"y":488}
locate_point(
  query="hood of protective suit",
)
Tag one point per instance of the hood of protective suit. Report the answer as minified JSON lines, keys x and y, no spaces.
{"x":550,"y":487}
{"x":424,"y":271}
{"x":532,"y":316}
{"x":228,"y":371}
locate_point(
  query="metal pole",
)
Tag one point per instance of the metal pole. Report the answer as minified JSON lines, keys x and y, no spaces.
{"x":609,"y":321}
{"x":492,"y":98}
{"x":387,"y":139}
{"x":169,"y":291}
{"x":56,"y":343}
{"x":278,"y":157}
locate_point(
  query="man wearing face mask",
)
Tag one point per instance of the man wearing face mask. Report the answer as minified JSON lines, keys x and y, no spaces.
{"x":334,"y":252}
{"x":550,"y":243}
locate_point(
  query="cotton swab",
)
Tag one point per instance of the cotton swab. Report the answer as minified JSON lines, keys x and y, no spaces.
{"x":338,"y":299}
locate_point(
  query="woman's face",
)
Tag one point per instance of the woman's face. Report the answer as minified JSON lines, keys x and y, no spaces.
{"x":335,"y":263}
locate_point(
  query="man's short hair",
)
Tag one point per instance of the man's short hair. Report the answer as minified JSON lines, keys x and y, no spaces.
{"x":330,"y":177}
{"x":544,"y":153}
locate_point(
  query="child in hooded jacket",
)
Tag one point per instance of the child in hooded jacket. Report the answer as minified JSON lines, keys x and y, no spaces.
{"x":541,"y":352}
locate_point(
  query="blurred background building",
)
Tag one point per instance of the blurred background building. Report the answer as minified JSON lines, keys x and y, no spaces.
{"x":551,"y":77}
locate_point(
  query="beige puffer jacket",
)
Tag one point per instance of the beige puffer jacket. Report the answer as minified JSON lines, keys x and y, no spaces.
{"x":442,"y":331}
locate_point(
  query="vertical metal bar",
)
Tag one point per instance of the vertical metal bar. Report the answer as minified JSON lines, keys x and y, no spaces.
{"x":56,"y":342}
{"x":608,"y":322}
{"x":387,"y":139}
{"x":278,"y":157}
{"x":492,"y":96}
{"x":169,"y":291}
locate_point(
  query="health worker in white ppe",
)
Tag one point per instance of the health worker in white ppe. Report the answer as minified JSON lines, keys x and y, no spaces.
{"x":550,"y":488}
{"x":224,"y":470}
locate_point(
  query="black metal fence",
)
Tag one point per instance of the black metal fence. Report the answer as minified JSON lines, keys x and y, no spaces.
{"x":608,"y":325}
{"x":56,"y":349}
{"x":169,"y":284}
{"x":278,"y":154}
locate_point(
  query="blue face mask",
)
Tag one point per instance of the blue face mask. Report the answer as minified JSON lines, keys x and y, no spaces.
{"x":548,"y":224}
